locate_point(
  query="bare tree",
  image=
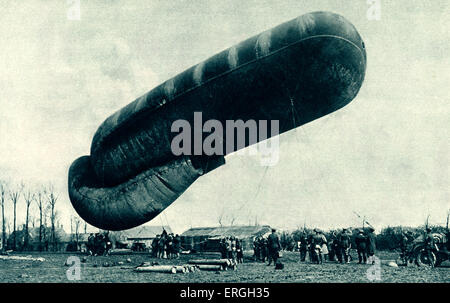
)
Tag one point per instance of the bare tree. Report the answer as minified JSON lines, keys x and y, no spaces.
{"x":77,"y":224}
{"x":45,"y":236}
{"x":14,"y":195}
{"x":52,"y":198}
{"x":29,"y":197}
{"x":233,"y":218}
{"x":220,"y":217}
{"x":223,"y":217}
{"x":40,"y":201}
{"x":71,"y":228}
{"x":2,"y":202}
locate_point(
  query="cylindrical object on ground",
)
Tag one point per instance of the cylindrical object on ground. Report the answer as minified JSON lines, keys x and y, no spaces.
{"x":211,"y":261}
{"x":210,"y":267}
{"x":181,"y":269}
{"x":157,"y":268}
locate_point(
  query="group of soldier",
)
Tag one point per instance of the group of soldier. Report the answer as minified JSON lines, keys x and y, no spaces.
{"x":166,"y":246}
{"x":267,"y":248}
{"x":337,"y":248}
{"x":231,"y":248}
{"x":98,"y":244}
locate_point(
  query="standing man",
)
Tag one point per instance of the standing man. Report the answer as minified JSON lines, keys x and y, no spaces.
{"x":324,"y":248}
{"x":361,"y":247}
{"x":155,"y":242}
{"x":256,"y":249}
{"x":334,"y":247}
{"x":90,"y":245}
{"x":316,"y":246}
{"x":161,"y":245}
{"x":371,"y":246}
{"x":239,"y":251}
{"x":404,"y":248}
{"x":177,"y":245}
{"x":229,"y":248}
{"x":263,"y":249}
{"x":223,"y":248}
{"x":169,"y":246}
{"x":430,"y":246}
{"x":274,"y":246}
{"x":303,"y":247}
{"x":345,"y":244}
{"x":233,"y":249}
{"x":311,"y":248}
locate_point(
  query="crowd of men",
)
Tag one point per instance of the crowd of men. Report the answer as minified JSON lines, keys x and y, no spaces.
{"x":166,"y":246}
{"x":231,"y":248}
{"x":337,"y":248}
{"x":98,"y":244}
{"x":267,"y":248}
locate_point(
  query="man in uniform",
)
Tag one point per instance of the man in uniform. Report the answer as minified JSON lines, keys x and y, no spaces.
{"x":263,"y":249}
{"x":274,"y":246}
{"x":256,"y":249}
{"x":404,"y":248}
{"x":169,"y":246}
{"x":98,"y":244}
{"x":229,"y":248}
{"x":90,"y":244}
{"x":311,"y":253}
{"x":223,"y":248}
{"x":233,"y":249}
{"x":303,"y":247}
{"x":360,"y":241}
{"x":430,"y":246}
{"x":155,"y":242}
{"x":317,"y":243}
{"x":371,"y":247}
{"x":108,"y":243}
{"x":345,"y":244}
{"x":239,"y":251}
{"x":324,"y":247}
{"x":161,"y":245}
{"x":177,"y":245}
{"x":335,"y":251}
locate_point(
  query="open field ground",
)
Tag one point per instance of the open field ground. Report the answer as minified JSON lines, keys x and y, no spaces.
{"x":53,"y":270}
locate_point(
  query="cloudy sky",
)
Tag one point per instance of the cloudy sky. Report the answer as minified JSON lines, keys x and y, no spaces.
{"x":385,"y":155}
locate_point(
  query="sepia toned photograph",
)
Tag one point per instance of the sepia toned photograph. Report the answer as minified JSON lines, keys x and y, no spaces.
{"x":207,"y":141}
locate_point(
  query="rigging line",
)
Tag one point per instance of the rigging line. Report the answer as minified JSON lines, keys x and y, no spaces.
{"x":309,"y":158}
{"x":162,"y":223}
{"x":293,"y":119}
{"x":165,"y":217}
{"x":293,"y":110}
{"x":260,"y":184}
{"x":257,"y":190}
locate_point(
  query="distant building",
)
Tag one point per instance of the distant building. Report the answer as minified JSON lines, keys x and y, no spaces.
{"x":61,"y":239}
{"x":143,"y":234}
{"x":208,"y":238}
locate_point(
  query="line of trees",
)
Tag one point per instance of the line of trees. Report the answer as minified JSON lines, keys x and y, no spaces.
{"x":44,"y":199}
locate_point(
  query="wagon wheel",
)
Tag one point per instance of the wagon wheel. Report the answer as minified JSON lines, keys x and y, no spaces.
{"x":423,"y":259}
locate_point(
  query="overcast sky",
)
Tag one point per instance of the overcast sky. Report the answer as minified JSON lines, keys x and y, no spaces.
{"x":385,"y":155}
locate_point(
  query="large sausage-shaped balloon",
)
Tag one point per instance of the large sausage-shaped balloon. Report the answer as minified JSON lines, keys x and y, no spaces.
{"x":314,"y":64}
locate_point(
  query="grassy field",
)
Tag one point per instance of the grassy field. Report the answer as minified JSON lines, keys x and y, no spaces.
{"x":54,"y":270}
